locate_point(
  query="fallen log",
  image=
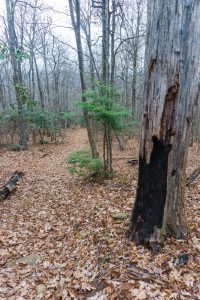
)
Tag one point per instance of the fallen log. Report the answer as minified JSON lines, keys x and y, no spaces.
{"x":193,"y":176}
{"x":10,"y":184}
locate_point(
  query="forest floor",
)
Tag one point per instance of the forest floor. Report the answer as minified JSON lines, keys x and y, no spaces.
{"x":60,"y":237}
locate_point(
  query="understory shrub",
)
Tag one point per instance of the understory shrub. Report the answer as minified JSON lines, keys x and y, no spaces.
{"x":102,"y":107}
{"x":15,"y":147}
{"x":83,"y":164}
{"x":38,"y":121}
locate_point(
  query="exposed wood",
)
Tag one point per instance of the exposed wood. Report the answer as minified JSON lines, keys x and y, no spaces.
{"x":170,"y":88}
{"x":10,"y":185}
{"x":193,"y":176}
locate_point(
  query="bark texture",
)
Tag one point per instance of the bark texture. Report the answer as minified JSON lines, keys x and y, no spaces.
{"x":170,"y":88}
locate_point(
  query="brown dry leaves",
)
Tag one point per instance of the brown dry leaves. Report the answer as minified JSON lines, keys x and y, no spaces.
{"x":59,"y":240}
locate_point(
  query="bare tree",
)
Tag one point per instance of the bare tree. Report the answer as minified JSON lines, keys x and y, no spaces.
{"x":14,"y":48}
{"x":75,"y":18}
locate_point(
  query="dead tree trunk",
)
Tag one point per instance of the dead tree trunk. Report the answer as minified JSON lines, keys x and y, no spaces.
{"x":170,"y":87}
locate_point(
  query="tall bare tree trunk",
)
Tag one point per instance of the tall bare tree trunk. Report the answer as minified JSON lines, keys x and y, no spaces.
{"x":135,"y":60}
{"x":105,"y":41}
{"x":134,"y":81}
{"x":45,"y":58}
{"x":112,"y":54}
{"x":105,"y":76}
{"x":2,"y":100}
{"x":16,"y":65}
{"x":39,"y":83}
{"x":86,"y":27}
{"x":77,"y":27}
{"x":170,"y":88}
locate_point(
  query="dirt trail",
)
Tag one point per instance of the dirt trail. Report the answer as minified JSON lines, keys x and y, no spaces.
{"x":58,"y":237}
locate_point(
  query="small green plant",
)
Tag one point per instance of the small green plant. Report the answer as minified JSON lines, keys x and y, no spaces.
{"x":16,"y":147}
{"x":21,"y":55}
{"x":23,"y":93}
{"x":102,"y":107}
{"x":83,"y":164}
{"x":4,"y":52}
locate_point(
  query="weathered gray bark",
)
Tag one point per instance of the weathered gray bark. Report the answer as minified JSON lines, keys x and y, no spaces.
{"x":77,"y":27}
{"x":170,"y":88}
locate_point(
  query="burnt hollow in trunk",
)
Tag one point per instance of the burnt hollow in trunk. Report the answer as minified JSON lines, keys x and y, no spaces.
{"x":148,"y":210}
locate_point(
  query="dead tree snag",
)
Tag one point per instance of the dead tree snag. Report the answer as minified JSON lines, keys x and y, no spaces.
{"x":170,"y":87}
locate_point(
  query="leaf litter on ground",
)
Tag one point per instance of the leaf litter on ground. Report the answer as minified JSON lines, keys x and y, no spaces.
{"x":62,"y":238}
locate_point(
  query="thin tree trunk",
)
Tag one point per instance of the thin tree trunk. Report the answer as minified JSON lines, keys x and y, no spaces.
{"x":93,"y":68}
{"x":170,"y":88}
{"x":76,"y":25}
{"x":32,"y":75}
{"x":2,"y":100}
{"x":46,"y":69}
{"x":105,"y":72}
{"x":133,"y":96}
{"x":105,"y":41}
{"x":120,"y":141}
{"x":17,"y":76}
{"x":109,"y":134}
{"x":39,"y":83}
{"x":112,"y":72}
{"x":135,"y":59}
